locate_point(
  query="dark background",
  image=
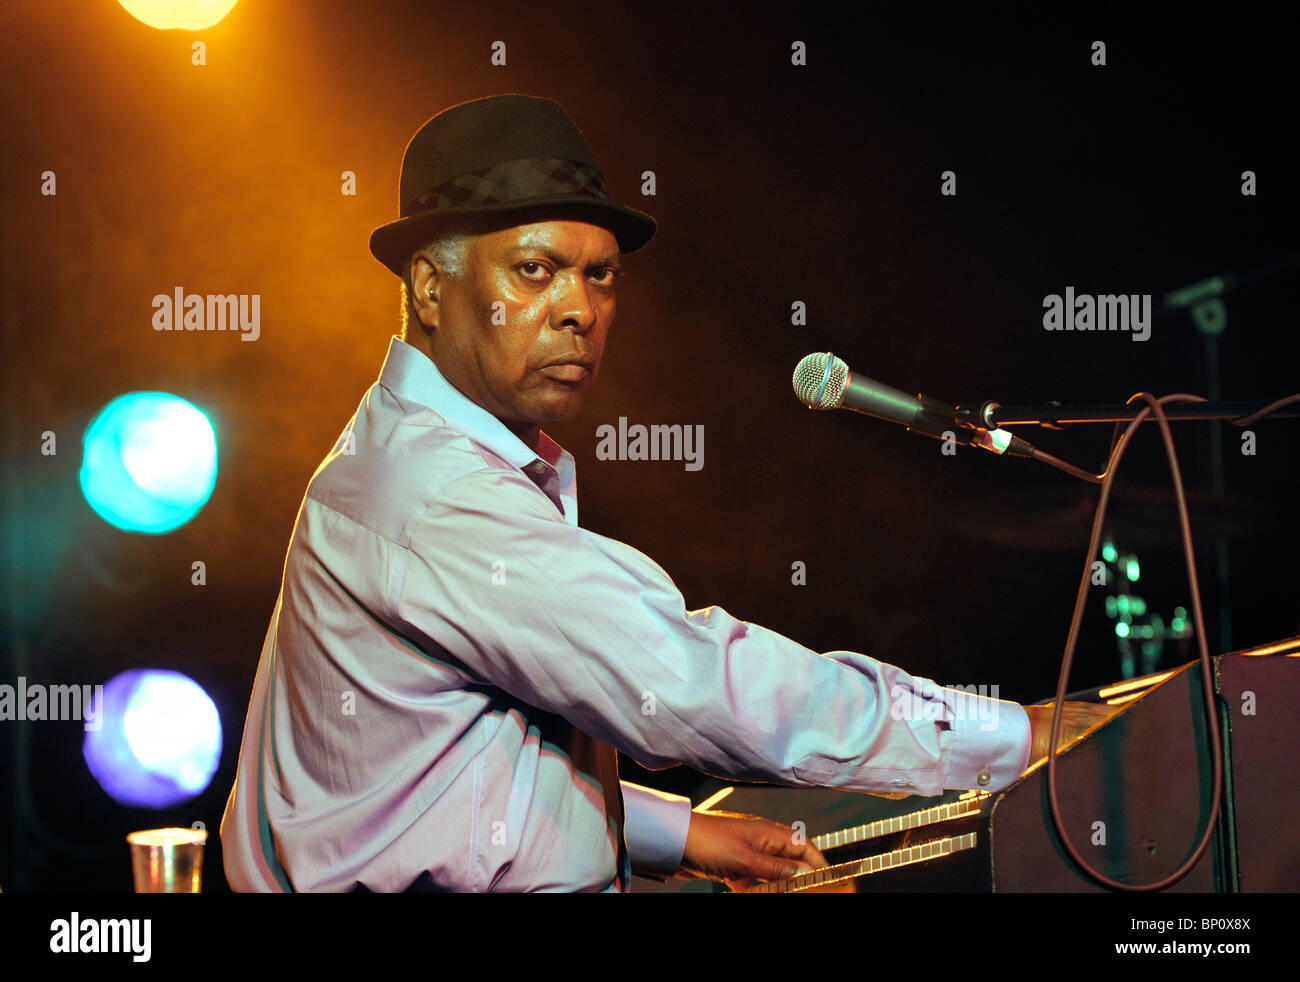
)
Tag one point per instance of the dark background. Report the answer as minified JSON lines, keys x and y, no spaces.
{"x":775,"y":183}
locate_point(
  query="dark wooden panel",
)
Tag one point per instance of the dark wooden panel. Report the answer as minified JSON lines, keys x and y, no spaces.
{"x":1264,"y":747}
{"x":1145,"y":774}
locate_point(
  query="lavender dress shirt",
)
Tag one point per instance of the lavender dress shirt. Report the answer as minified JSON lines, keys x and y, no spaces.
{"x":452,"y":661}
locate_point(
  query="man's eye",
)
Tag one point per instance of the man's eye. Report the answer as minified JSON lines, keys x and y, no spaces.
{"x":608,"y":275}
{"x":531,"y":269}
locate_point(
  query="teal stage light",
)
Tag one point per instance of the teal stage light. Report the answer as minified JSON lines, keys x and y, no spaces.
{"x":150,"y":462}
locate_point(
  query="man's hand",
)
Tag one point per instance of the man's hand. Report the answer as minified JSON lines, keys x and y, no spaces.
{"x":740,"y":850}
{"x":1076,"y":717}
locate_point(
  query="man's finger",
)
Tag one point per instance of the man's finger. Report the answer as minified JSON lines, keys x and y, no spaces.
{"x":768,"y":867}
{"x":814,"y":856}
{"x":804,"y":850}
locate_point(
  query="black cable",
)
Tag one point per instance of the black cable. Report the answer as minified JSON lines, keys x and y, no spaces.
{"x":1154,"y":405}
{"x":1247,"y":420}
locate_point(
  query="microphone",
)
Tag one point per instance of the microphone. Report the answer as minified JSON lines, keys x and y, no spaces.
{"x":822,"y":381}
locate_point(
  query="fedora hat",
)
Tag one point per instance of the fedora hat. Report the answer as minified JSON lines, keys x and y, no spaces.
{"x":495,"y":162}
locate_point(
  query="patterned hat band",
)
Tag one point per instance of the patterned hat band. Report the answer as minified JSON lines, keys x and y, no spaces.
{"x":513,"y":181}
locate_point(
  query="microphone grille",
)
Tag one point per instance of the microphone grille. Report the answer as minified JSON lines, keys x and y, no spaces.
{"x":820,"y":379}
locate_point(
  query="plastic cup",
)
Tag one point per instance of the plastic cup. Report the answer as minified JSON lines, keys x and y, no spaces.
{"x":167,"y":860}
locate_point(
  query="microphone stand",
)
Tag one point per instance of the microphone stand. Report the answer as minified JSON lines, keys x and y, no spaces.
{"x":992,"y":415}
{"x":987,"y":420}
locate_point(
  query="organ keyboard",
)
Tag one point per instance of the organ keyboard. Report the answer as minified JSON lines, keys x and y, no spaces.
{"x":1134,"y":795}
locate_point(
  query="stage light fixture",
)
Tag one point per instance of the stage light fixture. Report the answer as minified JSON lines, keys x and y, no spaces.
{"x":150,"y":462}
{"x":157,"y":739}
{"x":186,"y":15}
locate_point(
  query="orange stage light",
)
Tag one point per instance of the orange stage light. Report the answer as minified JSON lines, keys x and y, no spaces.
{"x":189,"y":15}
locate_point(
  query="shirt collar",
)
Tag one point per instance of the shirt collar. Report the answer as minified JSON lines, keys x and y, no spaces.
{"x":412,"y":375}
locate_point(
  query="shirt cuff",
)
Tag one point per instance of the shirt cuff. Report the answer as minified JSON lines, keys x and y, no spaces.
{"x":655,"y":825}
{"x":988,"y":744}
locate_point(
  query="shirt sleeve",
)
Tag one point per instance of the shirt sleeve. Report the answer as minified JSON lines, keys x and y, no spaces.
{"x":584,"y":626}
{"x":655,"y":826}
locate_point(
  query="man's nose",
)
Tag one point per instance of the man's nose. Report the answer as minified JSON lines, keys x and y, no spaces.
{"x":575,"y":306}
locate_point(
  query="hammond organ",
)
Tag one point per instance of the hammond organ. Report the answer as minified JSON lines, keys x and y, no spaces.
{"x":1134,"y":794}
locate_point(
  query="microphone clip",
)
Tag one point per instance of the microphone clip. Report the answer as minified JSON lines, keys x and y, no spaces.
{"x":983,"y":432}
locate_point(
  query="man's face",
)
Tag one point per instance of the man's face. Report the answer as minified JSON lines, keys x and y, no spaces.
{"x":522,"y":333}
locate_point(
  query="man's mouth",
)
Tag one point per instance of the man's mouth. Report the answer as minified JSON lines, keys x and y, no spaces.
{"x":566,"y":371}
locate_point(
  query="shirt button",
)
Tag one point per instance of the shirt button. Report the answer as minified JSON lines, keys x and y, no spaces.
{"x":983,"y":778}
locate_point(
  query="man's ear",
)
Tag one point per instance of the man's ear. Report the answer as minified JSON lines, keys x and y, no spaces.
{"x":426,"y":282}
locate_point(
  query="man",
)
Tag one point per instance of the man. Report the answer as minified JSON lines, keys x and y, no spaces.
{"x":452,"y":660}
